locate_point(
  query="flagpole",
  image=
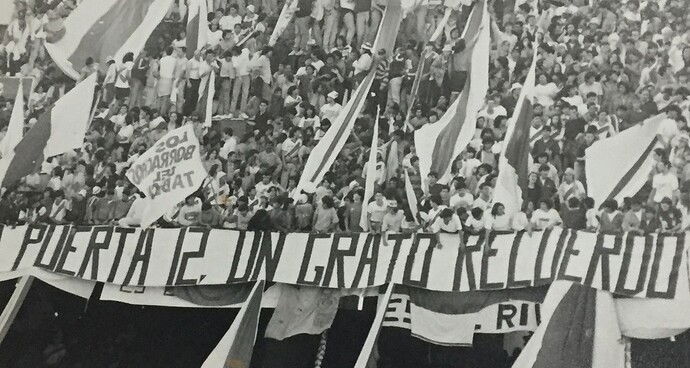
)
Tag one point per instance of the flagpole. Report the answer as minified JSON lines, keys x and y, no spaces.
{"x":99,"y":94}
{"x":368,"y":347}
{"x":14,"y":304}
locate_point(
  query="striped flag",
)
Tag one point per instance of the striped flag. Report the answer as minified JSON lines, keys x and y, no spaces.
{"x":15,"y":130}
{"x":60,"y":129}
{"x":579,"y":329}
{"x":619,"y":166}
{"x":14,"y":134}
{"x":370,"y":182}
{"x":325,"y":152}
{"x":197,"y":26}
{"x":283,"y":21}
{"x":204,"y":106}
{"x":440,"y":143}
{"x":514,"y":161}
{"x":452,"y":318}
{"x":235,"y":348}
{"x":411,"y":197}
{"x":105,"y":28}
{"x":365,"y":354}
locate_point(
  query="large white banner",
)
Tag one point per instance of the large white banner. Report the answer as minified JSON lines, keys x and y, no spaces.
{"x":626,"y":264}
{"x":168,"y":172}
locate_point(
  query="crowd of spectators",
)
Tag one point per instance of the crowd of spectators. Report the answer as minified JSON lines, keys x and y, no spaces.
{"x":603,"y":66}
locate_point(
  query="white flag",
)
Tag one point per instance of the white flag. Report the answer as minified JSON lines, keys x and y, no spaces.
{"x":168,"y":172}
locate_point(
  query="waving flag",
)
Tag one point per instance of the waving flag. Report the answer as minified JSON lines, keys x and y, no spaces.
{"x":204,"y":106}
{"x":235,"y":348}
{"x":105,"y":28}
{"x":283,"y":21}
{"x":440,"y":143}
{"x":197,"y":27}
{"x":325,"y":152}
{"x":60,"y":129}
{"x":515,"y":159}
{"x":619,"y":166}
{"x":579,"y":329}
{"x":371,"y":175}
{"x":164,"y":180}
{"x":14,"y":134}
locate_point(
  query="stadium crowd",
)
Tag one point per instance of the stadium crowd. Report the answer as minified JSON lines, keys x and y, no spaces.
{"x":602,"y":67}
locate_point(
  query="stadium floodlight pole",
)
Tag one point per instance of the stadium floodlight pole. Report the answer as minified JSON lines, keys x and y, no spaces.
{"x":15,"y":303}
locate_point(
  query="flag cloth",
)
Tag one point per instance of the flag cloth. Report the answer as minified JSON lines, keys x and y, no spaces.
{"x":450,"y":319}
{"x":411,"y":197}
{"x":214,"y":295}
{"x":15,"y":129}
{"x":367,"y":349}
{"x":440,"y":143}
{"x":325,"y":152}
{"x":579,"y":329}
{"x":58,"y":130}
{"x":105,"y":28}
{"x":514,"y":161}
{"x":235,"y":348}
{"x":370,"y":181}
{"x":14,"y":134}
{"x":197,"y":27}
{"x":303,"y":309}
{"x":204,"y":106}
{"x":168,"y":172}
{"x":619,"y":166}
{"x":283,"y":21}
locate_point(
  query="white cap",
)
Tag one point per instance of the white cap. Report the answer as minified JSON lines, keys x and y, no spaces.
{"x":96,"y":190}
{"x":82,"y":193}
{"x":251,"y":8}
{"x":333,"y":94}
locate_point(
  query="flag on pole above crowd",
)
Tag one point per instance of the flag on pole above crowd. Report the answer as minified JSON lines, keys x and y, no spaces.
{"x":197,"y":26}
{"x":102,"y":29}
{"x":370,"y":180}
{"x":289,"y":9}
{"x":325,"y":152}
{"x":440,"y":143}
{"x":204,"y":107}
{"x":14,"y":133}
{"x":58,"y":130}
{"x":168,"y":172}
{"x":236,"y":347}
{"x":514,"y":160}
{"x":619,"y":166}
{"x":579,"y":328}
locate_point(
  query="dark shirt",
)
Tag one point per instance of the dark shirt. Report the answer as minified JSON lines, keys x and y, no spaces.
{"x":573,"y":127}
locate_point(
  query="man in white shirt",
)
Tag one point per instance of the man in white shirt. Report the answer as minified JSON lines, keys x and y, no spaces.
{"x":375,"y":212}
{"x":231,"y":17}
{"x":240,"y":61}
{"x":166,"y":75}
{"x":447,"y":222}
{"x":262,"y":66}
{"x":664,"y":183}
{"x":331,"y":109}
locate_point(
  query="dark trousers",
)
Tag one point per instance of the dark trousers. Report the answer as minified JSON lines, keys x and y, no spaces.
{"x":191,"y":97}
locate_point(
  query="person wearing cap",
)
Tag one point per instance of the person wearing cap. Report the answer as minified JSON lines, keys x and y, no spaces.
{"x":364,"y":62}
{"x":570,"y":188}
{"x":331,"y":109}
{"x":393,"y":218}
